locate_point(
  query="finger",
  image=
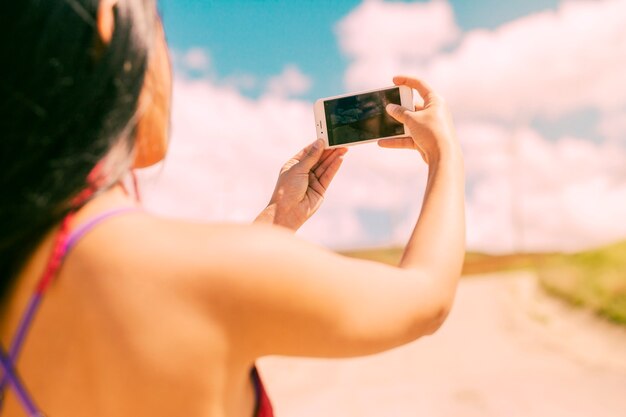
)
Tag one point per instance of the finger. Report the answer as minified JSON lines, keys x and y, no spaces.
{"x":327,"y":176}
{"x":315,"y":185}
{"x":325,"y":155}
{"x":311,"y":155}
{"x":399,"y":113}
{"x":302,"y":152}
{"x":402,"y":143}
{"x":321,"y":171}
{"x":398,"y":143}
{"x":424,"y":90}
{"x":323,"y":164}
{"x":297,"y":158}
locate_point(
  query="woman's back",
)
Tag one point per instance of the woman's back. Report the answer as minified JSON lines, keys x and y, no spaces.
{"x":106,"y":341}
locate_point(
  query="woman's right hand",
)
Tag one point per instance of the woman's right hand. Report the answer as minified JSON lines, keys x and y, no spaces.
{"x":430,"y":126}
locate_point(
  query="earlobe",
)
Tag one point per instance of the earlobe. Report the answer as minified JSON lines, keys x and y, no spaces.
{"x":150,"y":142}
{"x":152,"y":131}
{"x":106,"y":20}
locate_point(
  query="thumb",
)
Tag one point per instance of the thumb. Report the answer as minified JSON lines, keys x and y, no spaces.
{"x":311,"y":154}
{"x":397,"y":112}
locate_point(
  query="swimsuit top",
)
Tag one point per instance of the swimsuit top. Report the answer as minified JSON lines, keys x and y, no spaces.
{"x":64,"y":242}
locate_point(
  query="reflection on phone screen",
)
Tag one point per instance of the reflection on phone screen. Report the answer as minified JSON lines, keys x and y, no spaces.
{"x":362,"y":117}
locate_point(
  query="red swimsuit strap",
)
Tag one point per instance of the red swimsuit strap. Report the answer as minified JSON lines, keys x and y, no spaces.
{"x":263,"y":403}
{"x":57,"y":255}
{"x":63,"y":243}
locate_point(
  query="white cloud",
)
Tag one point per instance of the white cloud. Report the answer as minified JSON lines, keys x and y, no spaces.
{"x":529,"y":193}
{"x":242,"y":81}
{"x":226,"y":149}
{"x":290,"y":82}
{"x":196,"y":59}
{"x":381,"y":37}
{"x":547,"y":64}
{"x":612,"y":125}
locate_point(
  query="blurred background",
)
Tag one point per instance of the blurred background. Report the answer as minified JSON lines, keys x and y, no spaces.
{"x":538,"y":92}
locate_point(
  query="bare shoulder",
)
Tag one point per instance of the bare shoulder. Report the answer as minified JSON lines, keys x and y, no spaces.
{"x":157,"y":248}
{"x":147,"y":277}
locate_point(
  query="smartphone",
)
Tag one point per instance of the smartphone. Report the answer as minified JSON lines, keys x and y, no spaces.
{"x":360,"y":117}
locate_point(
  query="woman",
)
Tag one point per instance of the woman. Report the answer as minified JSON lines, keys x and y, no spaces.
{"x":149,"y":316}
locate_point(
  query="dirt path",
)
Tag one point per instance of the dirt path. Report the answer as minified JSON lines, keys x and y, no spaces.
{"x":506,"y":350}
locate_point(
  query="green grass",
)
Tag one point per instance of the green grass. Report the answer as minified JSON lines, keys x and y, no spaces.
{"x":594,"y":279}
{"x":389,"y":256}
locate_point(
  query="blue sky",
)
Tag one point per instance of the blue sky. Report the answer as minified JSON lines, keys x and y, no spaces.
{"x":260,"y":37}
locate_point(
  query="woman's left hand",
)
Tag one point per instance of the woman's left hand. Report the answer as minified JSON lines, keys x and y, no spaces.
{"x":301,"y":185}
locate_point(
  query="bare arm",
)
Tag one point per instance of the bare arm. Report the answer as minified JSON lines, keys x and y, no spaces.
{"x":273,"y":293}
{"x":438,"y":241}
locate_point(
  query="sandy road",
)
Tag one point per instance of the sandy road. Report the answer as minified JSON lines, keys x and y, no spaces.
{"x":507,"y":349}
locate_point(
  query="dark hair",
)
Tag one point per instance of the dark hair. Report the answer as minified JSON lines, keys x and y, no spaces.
{"x":66,"y":100}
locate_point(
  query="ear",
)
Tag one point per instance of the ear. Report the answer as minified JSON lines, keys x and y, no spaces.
{"x":152,"y":132}
{"x":106,"y":19}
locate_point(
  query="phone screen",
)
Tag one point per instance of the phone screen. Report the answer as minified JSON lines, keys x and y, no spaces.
{"x":362,"y":117}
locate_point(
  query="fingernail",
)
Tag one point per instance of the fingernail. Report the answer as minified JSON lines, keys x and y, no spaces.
{"x":317,"y":144}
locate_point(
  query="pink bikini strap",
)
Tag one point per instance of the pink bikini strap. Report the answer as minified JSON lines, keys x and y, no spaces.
{"x":64,"y":242}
